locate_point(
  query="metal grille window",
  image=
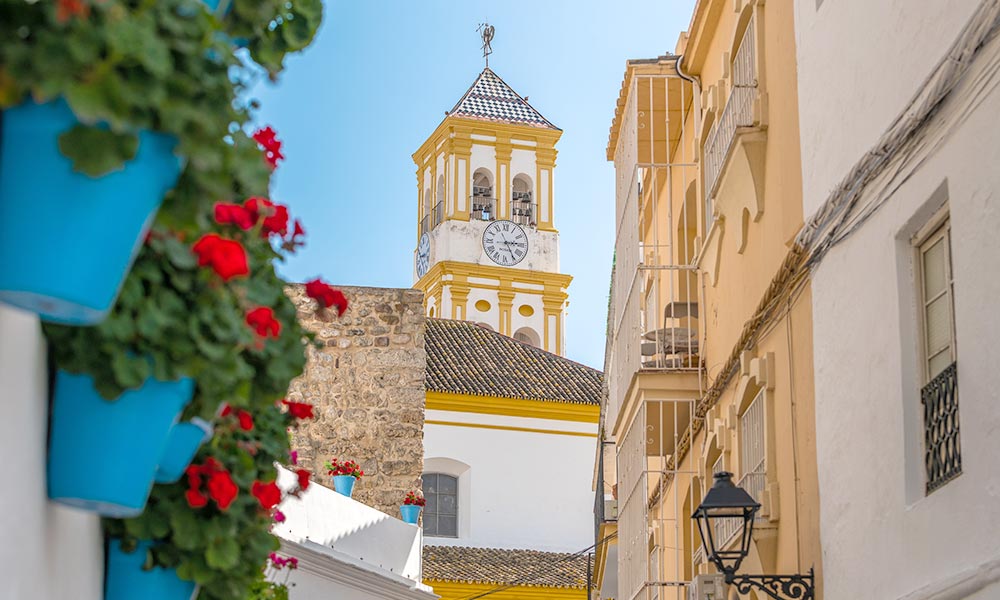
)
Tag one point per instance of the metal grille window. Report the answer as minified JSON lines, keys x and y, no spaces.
{"x":942,"y":449}
{"x":441,"y":512}
{"x":753,"y":454}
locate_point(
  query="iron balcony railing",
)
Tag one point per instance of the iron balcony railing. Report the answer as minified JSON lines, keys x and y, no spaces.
{"x":943,"y":451}
{"x":738,"y":111}
{"x":425,"y":224}
{"x":483,"y":208}
{"x":438,"y":214}
{"x":522,"y":209}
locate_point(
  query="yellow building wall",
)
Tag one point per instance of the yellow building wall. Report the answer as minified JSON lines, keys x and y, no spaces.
{"x":449,"y":590}
{"x":758,"y":212}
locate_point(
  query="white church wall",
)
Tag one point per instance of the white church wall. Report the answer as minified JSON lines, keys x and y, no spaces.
{"x":53,"y":553}
{"x":492,"y":314}
{"x":527,"y":489}
{"x":462,"y":241}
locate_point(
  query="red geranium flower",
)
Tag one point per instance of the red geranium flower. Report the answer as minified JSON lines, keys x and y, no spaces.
{"x":226,"y":257}
{"x":272,"y":147}
{"x":222,"y":489}
{"x":226,"y":411}
{"x":275,"y":215}
{"x":299,"y":410}
{"x":234,"y":214}
{"x":326,"y":296}
{"x":303,"y":475}
{"x":268,"y":494}
{"x":195,"y":498}
{"x":246,"y":420}
{"x":71,"y":8}
{"x":263,"y":322}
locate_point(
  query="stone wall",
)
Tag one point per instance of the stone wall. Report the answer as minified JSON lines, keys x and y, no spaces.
{"x":366,"y":381}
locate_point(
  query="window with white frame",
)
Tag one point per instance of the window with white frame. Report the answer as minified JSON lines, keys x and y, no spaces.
{"x":441,"y":511}
{"x":753,"y":455}
{"x":939,"y":366}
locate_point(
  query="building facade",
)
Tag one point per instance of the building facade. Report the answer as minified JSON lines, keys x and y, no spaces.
{"x":900,"y":190}
{"x":708,"y":367}
{"x":487,"y":249}
{"x":509,"y":442}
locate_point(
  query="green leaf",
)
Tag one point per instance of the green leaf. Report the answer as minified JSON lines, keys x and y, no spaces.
{"x":187,"y":529}
{"x":130,"y":371}
{"x":96,"y":151}
{"x":222,"y":553}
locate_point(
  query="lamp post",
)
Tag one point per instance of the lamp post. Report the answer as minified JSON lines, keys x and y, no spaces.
{"x":727,"y":502}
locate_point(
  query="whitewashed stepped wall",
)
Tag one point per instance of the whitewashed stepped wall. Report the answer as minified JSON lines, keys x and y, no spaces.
{"x":48,"y":552}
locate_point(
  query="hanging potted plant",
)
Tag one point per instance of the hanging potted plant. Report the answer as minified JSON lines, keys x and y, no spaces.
{"x":102,"y":104}
{"x":212,"y":528}
{"x":410,"y":509}
{"x":344,"y":475}
{"x":131,"y":573}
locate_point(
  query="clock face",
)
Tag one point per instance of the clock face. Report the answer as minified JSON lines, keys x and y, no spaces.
{"x":423,"y":255}
{"x":505,"y":243}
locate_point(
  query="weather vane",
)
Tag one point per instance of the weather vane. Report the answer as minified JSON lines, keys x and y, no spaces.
{"x":486,"y":32}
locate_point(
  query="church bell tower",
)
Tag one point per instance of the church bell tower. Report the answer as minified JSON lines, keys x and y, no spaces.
{"x":487,"y":249}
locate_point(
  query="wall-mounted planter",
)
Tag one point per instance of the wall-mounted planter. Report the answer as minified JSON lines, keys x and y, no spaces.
{"x":103,"y":454}
{"x":67,"y":240}
{"x":183,"y":443}
{"x":344,"y":484}
{"x":410,"y":513}
{"x":125,"y":578}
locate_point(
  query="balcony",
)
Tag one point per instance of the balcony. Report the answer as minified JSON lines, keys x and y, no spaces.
{"x":943,"y":456}
{"x":522,"y":209}
{"x":739,"y":111}
{"x":438,"y":214}
{"x":425,"y":225}
{"x":483,"y":207}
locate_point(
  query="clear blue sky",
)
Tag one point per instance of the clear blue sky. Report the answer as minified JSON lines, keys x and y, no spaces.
{"x":376,"y":82}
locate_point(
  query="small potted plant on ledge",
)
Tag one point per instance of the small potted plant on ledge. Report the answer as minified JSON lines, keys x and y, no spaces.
{"x":344,"y":475}
{"x":412,"y":503}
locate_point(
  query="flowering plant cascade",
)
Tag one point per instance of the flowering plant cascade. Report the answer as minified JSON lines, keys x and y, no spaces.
{"x":348,"y":467}
{"x":126,"y":66}
{"x":414,"y":498}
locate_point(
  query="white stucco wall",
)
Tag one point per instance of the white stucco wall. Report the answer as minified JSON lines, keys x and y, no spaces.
{"x":882,"y":537}
{"x":463,"y":241}
{"x":522,"y":489}
{"x":50,"y":552}
{"x":859,"y":62}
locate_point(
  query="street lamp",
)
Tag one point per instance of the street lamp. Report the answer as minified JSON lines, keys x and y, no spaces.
{"x":726,"y":502}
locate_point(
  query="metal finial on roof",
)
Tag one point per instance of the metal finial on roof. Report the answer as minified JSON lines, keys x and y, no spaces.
{"x":486,"y":32}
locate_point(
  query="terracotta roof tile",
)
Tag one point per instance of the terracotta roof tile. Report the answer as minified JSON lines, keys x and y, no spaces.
{"x":464,"y":358}
{"x":498,"y":566}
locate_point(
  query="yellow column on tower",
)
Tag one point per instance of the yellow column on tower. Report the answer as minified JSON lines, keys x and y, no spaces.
{"x":462,"y":147}
{"x":545,"y":164}
{"x":501,"y":191}
{"x":505,"y":302}
{"x":459,"y":300}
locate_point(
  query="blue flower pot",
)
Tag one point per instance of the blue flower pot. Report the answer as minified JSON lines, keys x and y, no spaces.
{"x":344,"y":484}
{"x":183,"y":443}
{"x":67,"y":240}
{"x":103,"y":454}
{"x":410,"y":512}
{"x":125,"y":578}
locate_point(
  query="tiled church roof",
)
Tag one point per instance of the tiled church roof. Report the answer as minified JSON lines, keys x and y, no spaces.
{"x":497,"y":566}
{"x":491,"y":99}
{"x":464,"y":358}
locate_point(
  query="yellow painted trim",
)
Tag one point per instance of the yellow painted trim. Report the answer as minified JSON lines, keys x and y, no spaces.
{"x":510,"y":428}
{"x":450,"y":267}
{"x":511,"y":407}
{"x":453,"y":590}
